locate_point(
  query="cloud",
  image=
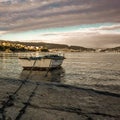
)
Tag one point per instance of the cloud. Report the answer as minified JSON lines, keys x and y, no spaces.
{"x":27,"y":15}
{"x":112,"y":27}
{"x":100,"y":36}
{"x":2,"y":32}
{"x":96,"y":37}
{"x":95,"y":41}
{"x":19,"y":15}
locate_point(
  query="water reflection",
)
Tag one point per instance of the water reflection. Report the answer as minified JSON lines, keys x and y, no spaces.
{"x":8,"y":55}
{"x":52,"y":76}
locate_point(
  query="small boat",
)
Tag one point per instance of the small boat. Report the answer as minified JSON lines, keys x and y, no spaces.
{"x":50,"y":61}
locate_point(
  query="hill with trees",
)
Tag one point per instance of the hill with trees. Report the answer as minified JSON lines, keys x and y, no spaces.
{"x":15,"y":46}
{"x":115,"y":49}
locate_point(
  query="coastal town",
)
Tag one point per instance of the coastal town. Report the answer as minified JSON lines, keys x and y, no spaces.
{"x":14,"y":47}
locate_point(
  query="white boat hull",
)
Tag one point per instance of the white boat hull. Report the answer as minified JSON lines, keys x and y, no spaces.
{"x":40,"y":63}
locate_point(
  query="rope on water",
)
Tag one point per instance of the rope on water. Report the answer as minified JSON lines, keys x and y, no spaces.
{"x":22,"y":111}
{"x":48,"y":68}
{"x":11,"y":98}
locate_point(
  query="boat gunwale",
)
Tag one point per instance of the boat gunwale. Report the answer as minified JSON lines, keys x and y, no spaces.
{"x":44,"y":57}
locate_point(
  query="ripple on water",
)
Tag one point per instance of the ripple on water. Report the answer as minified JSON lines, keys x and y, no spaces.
{"x":78,"y":68}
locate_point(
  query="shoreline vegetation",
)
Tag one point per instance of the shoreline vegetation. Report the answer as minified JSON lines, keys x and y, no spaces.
{"x":11,"y":46}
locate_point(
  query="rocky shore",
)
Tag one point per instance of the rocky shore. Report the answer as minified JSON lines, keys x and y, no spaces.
{"x":30,"y":100}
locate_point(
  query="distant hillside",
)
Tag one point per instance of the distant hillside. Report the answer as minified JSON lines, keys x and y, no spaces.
{"x":116,"y":49}
{"x":81,"y":48}
{"x":57,"y":46}
{"x":49,"y":45}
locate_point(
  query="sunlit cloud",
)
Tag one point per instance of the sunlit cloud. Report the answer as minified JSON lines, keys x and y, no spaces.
{"x":87,"y":35}
{"x":2,"y":32}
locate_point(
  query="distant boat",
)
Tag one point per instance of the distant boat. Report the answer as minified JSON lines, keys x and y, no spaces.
{"x":50,"y":61}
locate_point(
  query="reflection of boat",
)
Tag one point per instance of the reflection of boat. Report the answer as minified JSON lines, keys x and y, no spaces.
{"x":49,"y":61}
{"x":55,"y":75}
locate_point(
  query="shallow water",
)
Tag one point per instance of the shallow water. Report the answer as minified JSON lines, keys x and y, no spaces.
{"x":77,"y":69}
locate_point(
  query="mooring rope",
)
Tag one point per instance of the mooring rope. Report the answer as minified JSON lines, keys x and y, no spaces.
{"x":48,"y":68}
{"x":11,"y":98}
{"x":22,"y":111}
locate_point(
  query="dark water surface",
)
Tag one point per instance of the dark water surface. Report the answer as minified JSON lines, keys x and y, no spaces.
{"x":77,"y":69}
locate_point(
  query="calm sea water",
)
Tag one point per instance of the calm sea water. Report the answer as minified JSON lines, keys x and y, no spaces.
{"x":77,"y":69}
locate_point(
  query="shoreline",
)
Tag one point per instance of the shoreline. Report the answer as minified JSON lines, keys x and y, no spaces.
{"x":60,"y":102}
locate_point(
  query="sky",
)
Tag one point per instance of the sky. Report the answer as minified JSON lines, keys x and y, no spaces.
{"x":87,"y":23}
